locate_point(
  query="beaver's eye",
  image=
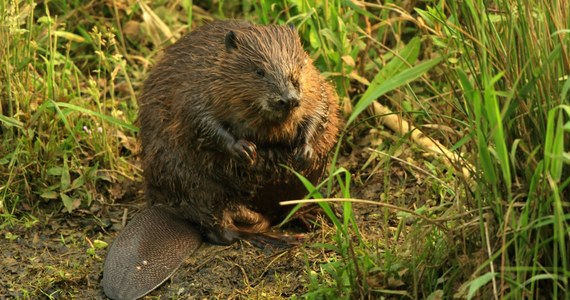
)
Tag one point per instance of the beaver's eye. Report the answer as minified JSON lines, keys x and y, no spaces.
{"x":260,"y":72}
{"x":295,"y":82}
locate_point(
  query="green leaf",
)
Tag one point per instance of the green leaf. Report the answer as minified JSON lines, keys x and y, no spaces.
{"x":55,"y":171}
{"x":11,"y":122}
{"x":484,"y":153}
{"x":495,"y":121}
{"x":77,"y":182}
{"x":49,"y":195}
{"x":383,"y":83}
{"x":360,"y":11}
{"x":565,"y":88}
{"x":65,"y":177}
{"x":554,"y":141}
{"x":314,"y":39}
{"x":69,"y":36}
{"x":405,"y":58}
{"x":99,"y":244}
{"x":69,"y":203}
{"x":10,"y":236}
{"x":478,"y":282}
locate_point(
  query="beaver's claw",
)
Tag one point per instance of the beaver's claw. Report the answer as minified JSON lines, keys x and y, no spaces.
{"x":244,"y":151}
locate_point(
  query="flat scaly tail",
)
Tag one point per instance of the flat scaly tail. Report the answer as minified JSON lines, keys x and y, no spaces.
{"x":147,"y":252}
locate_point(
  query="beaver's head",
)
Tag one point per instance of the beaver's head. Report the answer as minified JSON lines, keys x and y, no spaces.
{"x":264,"y":68}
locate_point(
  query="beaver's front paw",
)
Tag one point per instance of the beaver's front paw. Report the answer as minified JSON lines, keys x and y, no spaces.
{"x":304,"y":156}
{"x":243,"y":151}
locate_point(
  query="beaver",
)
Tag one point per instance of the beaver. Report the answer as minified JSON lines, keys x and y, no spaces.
{"x":221,"y":113}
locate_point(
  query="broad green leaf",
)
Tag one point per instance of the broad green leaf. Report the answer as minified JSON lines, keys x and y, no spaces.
{"x":99,"y":244}
{"x":478,"y":282}
{"x":380,"y":87}
{"x":77,"y":182}
{"x":69,"y":203}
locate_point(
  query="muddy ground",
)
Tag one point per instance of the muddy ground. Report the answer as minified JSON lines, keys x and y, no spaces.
{"x":56,"y":255}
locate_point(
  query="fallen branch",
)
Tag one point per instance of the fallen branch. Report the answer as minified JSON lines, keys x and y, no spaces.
{"x":402,"y":127}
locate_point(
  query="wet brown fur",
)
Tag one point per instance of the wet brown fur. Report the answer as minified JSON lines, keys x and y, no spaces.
{"x":207,"y":102}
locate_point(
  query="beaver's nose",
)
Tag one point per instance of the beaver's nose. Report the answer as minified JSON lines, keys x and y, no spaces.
{"x":289,"y":100}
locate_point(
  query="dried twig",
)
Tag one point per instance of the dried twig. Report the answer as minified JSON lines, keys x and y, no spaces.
{"x":402,"y":127}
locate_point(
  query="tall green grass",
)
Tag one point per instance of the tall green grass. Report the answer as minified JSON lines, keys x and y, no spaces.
{"x":513,"y":78}
{"x":65,"y":125}
{"x":508,"y":67}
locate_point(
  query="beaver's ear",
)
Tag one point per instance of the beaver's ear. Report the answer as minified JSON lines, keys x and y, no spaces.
{"x":291,"y":26}
{"x":231,"y":41}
